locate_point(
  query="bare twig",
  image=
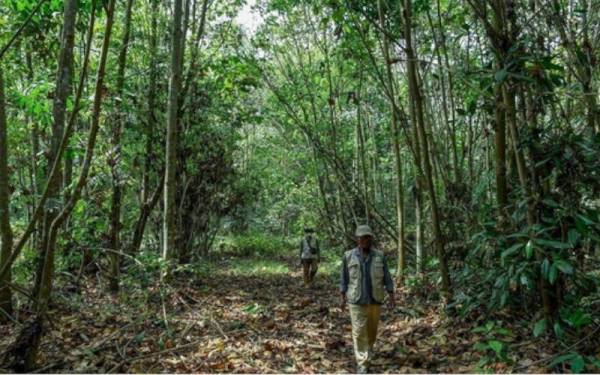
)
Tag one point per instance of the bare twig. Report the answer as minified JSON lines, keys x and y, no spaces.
{"x":146,"y":356}
{"x":10,"y":317}
{"x":48,"y":367}
{"x":218,"y":327}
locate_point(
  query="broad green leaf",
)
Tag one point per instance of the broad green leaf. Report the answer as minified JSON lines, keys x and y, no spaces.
{"x":496,"y":346}
{"x":563,"y":266}
{"x":558,"y":330}
{"x":553,"y":273}
{"x":577,"y":364}
{"x":554,"y":244}
{"x":562,"y":358}
{"x":539,"y":328}
{"x":573,"y":236}
{"x":529,"y":249}
{"x":545,"y":268}
{"x":510,"y":251}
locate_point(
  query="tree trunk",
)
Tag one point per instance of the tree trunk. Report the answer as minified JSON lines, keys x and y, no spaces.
{"x":169,"y":225}
{"x":114,"y":162}
{"x":42,"y":298}
{"x":399,"y":188}
{"x":64,"y":79}
{"x":39,"y":210}
{"x":500,"y":149}
{"x":418,"y":227}
{"x":418,"y":120}
{"x":145,"y":211}
{"x":6,"y":236}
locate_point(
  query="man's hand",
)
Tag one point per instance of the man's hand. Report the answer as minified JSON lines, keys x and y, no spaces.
{"x":343,"y":301}
{"x":391,"y":301}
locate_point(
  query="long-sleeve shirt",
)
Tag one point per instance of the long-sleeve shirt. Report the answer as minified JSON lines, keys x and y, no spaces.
{"x":366,"y":296}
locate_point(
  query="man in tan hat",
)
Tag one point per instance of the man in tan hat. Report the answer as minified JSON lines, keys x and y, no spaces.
{"x":364,"y":279}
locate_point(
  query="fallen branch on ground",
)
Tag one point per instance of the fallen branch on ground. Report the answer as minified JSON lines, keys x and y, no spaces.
{"x":146,"y":356}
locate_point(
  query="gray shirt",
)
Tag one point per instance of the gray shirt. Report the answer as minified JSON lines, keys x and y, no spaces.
{"x":366,"y":295}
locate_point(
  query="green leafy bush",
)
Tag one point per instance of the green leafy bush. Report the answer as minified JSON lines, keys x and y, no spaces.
{"x":257,"y":244}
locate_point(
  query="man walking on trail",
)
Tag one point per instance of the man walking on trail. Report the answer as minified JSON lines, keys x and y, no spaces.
{"x":310,"y":256}
{"x":364,"y":278}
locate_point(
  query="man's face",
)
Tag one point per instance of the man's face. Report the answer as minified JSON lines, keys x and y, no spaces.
{"x":364,"y":242}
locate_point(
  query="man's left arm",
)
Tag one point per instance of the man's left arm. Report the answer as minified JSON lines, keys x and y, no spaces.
{"x":389,"y":284}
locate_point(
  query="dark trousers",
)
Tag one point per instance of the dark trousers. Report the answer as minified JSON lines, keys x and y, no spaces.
{"x":309,"y":270}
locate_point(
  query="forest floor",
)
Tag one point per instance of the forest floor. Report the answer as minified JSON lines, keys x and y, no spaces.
{"x":255,"y":316}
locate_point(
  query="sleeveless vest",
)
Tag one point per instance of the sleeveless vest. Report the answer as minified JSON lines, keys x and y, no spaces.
{"x":306,"y":253}
{"x":356,"y":273}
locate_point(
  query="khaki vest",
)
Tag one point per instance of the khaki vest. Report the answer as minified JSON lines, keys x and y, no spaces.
{"x":355,"y":274}
{"x":306,"y":245}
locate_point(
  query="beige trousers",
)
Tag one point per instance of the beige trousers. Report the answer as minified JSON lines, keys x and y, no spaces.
{"x":365,"y":319}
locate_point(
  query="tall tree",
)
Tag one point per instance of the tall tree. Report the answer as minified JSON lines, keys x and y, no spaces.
{"x":417,"y":115}
{"x":64,"y":80}
{"x":6,"y":236}
{"x":399,"y":188}
{"x":170,"y":209}
{"x":114,"y":162}
{"x":31,"y":334}
{"x":147,"y":200}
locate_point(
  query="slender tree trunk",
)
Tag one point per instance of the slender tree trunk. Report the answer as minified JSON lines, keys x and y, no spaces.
{"x":39,"y":210}
{"x":35,"y":328}
{"x":169,"y":229}
{"x":362,"y":158}
{"x":399,"y":188}
{"x":418,"y":115}
{"x":64,"y":79}
{"x":500,"y":157}
{"x":152,"y":83}
{"x":114,"y":161}
{"x":418,"y":227}
{"x":509,"y":103}
{"x":145,"y":211}
{"x":6,"y":236}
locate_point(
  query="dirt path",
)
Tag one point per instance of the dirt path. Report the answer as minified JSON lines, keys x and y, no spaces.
{"x":271,"y":323}
{"x":258,"y":319}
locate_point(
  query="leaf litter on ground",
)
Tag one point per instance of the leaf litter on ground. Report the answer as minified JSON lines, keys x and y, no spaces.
{"x":254,"y":323}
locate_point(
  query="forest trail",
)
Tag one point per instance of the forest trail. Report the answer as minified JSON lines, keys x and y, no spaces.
{"x":248,"y":316}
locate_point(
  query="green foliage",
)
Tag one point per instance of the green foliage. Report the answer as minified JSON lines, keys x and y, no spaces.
{"x":575,"y":361}
{"x":494,"y":338}
{"x":257,"y":244}
{"x":566,"y":229}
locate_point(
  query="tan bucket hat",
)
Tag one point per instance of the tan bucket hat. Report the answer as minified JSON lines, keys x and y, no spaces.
{"x":363,"y":230}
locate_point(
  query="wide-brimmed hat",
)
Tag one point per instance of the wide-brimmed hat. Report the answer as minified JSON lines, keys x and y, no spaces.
{"x":363,"y":230}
